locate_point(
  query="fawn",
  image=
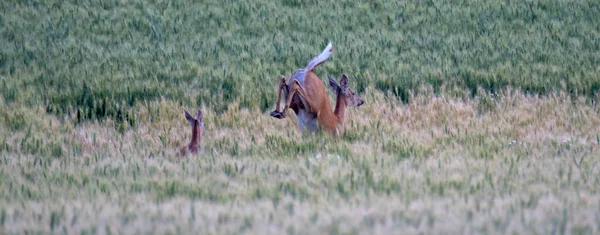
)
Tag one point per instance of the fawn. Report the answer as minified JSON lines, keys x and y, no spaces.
{"x":305,"y":94}
{"x":197,"y":129}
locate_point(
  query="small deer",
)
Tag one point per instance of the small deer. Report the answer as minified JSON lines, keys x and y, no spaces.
{"x":197,"y":129}
{"x":305,"y":94}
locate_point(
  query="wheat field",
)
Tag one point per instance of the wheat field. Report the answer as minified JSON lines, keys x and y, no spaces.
{"x":481,"y":117}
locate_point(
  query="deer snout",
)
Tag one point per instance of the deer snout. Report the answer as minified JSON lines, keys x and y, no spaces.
{"x":361,"y":102}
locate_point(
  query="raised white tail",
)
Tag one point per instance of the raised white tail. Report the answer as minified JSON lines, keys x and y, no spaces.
{"x":305,"y":94}
{"x":320,"y":58}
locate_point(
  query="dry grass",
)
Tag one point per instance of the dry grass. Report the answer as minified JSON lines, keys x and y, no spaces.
{"x":493,"y":164}
{"x":92,"y":94}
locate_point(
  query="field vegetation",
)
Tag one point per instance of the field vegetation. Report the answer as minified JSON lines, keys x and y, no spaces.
{"x":480,"y":117}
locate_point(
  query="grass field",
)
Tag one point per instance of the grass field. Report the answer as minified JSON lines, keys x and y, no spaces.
{"x":480,"y":117}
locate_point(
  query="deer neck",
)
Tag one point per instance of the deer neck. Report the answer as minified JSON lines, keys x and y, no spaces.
{"x":196,"y":138}
{"x":333,"y":121}
{"x":340,"y":108}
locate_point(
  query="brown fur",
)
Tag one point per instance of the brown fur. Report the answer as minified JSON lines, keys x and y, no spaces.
{"x":197,"y":130}
{"x":314,"y":94}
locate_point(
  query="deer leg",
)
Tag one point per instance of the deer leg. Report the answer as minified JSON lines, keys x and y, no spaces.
{"x":282,"y":87}
{"x":296,"y":88}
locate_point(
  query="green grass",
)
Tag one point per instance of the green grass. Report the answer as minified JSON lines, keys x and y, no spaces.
{"x":480,"y":117}
{"x":100,"y":57}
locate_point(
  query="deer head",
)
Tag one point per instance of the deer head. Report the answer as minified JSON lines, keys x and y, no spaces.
{"x":197,"y":129}
{"x":343,"y":91}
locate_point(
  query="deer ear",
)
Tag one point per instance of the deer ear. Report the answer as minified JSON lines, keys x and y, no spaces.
{"x":344,"y":81}
{"x":199,"y":115}
{"x":189,"y":117}
{"x":334,"y":86}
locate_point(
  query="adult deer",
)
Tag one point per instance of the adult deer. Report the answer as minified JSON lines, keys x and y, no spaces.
{"x":197,"y":130}
{"x":305,"y":94}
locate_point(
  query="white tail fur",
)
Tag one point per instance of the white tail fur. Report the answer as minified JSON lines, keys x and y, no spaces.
{"x":320,"y":58}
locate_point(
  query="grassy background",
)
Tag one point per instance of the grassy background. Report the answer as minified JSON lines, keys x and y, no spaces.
{"x":481,"y":116}
{"x":103,"y":56}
